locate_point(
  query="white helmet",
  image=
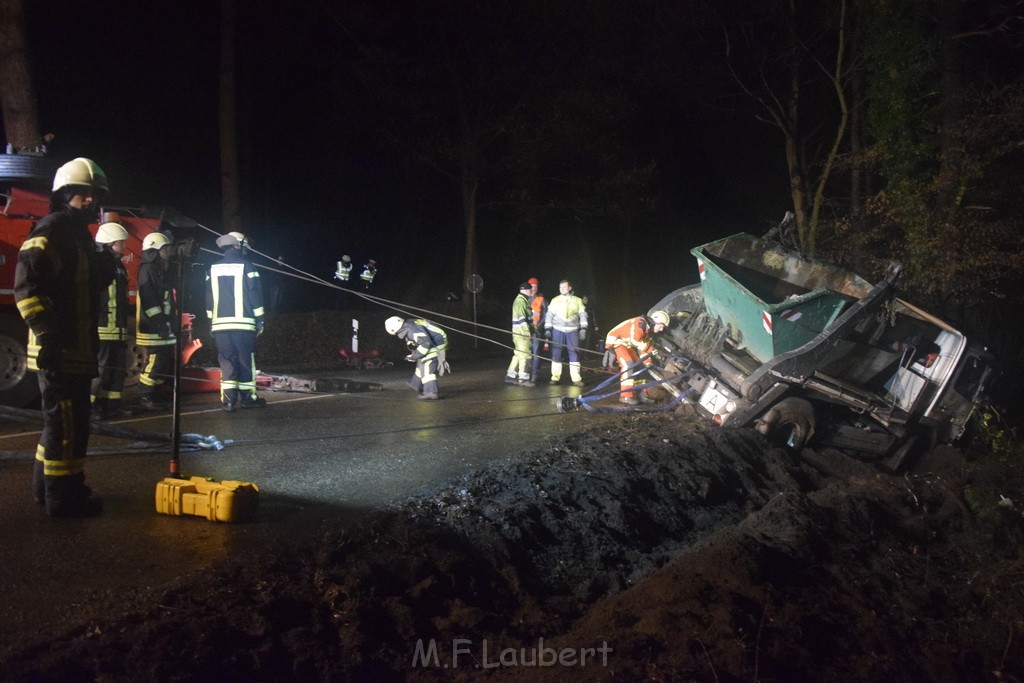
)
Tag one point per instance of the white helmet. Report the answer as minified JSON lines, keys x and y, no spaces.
{"x":660,"y":318}
{"x":80,"y":171}
{"x":111,"y":232}
{"x":393,"y":324}
{"x":232,"y":239}
{"x":155,"y":240}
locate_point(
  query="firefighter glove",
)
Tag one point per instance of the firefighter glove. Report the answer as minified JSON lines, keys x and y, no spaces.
{"x":609,"y":359}
{"x":48,"y":358}
{"x":259,"y":328}
{"x":411,"y":358}
{"x":165,"y":331}
{"x":547,"y":334}
{"x":583,"y":334}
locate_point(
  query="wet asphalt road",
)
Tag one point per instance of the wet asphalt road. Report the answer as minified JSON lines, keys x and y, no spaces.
{"x":322,"y":461}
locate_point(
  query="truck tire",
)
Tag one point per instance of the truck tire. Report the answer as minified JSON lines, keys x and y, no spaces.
{"x":793,"y":424}
{"x":19,"y":386}
{"x":27,"y":170}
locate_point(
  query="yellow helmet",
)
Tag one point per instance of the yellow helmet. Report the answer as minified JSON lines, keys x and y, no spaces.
{"x":155,"y":240}
{"x":80,"y":171}
{"x":111,"y":232}
{"x":660,"y":318}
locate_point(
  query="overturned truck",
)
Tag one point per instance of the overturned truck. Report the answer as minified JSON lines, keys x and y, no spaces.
{"x":802,"y":350}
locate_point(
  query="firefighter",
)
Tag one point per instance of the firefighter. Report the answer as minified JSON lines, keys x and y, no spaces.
{"x":427,"y":344}
{"x":153,"y":328}
{"x":369,"y":272}
{"x":539,"y":307}
{"x":57,"y":285}
{"x":344,"y":272}
{"x":234,"y":303}
{"x":522,"y":333}
{"x":565,"y":326}
{"x":112,"y":326}
{"x":628,"y":341}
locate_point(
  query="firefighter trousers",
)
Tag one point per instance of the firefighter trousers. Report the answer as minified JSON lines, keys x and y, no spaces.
{"x":565,"y":342}
{"x":58,"y":474}
{"x":425,"y":379}
{"x":159,"y":366}
{"x":519,"y":368}
{"x":236,"y":351}
{"x":108,"y":388}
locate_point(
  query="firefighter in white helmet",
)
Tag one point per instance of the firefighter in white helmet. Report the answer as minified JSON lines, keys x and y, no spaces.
{"x":154,"y":329}
{"x":427,"y":344}
{"x":234,"y":304}
{"x":57,"y":285}
{"x":626,"y":343}
{"x":112,"y":326}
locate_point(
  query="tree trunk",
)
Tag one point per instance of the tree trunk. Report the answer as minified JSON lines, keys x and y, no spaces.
{"x":228,"y":117}
{"x":17,"y":97}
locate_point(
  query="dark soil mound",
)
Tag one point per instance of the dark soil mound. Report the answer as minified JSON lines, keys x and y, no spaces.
{"x":660,"y":549}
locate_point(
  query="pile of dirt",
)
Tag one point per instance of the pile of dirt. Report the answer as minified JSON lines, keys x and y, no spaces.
{"x":660,"y":549}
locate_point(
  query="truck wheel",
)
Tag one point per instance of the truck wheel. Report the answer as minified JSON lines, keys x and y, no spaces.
{"x":793,"y":425}
{"x":135,"y":362}
{"x":18,"y":385}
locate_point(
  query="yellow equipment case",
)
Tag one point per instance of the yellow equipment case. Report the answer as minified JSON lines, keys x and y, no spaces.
{"x":225,"y":501}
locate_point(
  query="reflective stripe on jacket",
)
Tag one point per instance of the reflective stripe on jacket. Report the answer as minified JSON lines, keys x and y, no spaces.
{"x":234,"y":298}
{"x":522,"y":316}
{"x":153,"y":303}
{"x":566,"y":313}
{"x":427,"y":337}
{"x":57,"y":281}
{"x":112,"y":322}
{"x":634,"y":333}
{"x":539,"y":305}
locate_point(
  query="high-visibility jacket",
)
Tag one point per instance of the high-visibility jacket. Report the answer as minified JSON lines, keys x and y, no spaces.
{"x":566,"y":313}
{"x":367,"y":275}
{"x":344,"y":272}
{"x":56,"y":286}
{"x":426,"y":337}
{"x":539,"y":306}
{"x":112,"y":321}
{"x":634,"y":333}
{"x":234,"y":298}
{"x":153,"y":302}
{"x":522,"y":315}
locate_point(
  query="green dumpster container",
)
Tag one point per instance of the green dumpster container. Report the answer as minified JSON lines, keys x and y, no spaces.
{"x":772,"y":299}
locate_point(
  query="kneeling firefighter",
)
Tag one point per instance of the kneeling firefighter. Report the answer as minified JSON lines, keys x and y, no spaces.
{"x":628,"y":341}
{"x":427,"y":344}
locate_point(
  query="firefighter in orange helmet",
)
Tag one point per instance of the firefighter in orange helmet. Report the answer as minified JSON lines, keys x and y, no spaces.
{"x":629,"y":340}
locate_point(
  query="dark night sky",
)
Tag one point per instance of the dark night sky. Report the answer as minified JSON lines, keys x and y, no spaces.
{"x":133,"y":85}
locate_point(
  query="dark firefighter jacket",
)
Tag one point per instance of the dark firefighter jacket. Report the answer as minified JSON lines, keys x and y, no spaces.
{"x":153,"y":306}
{"x":423,"y":338}
{"x":56,"y":284}
{"x":234,"y":298}
{"x":112,"y":322}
